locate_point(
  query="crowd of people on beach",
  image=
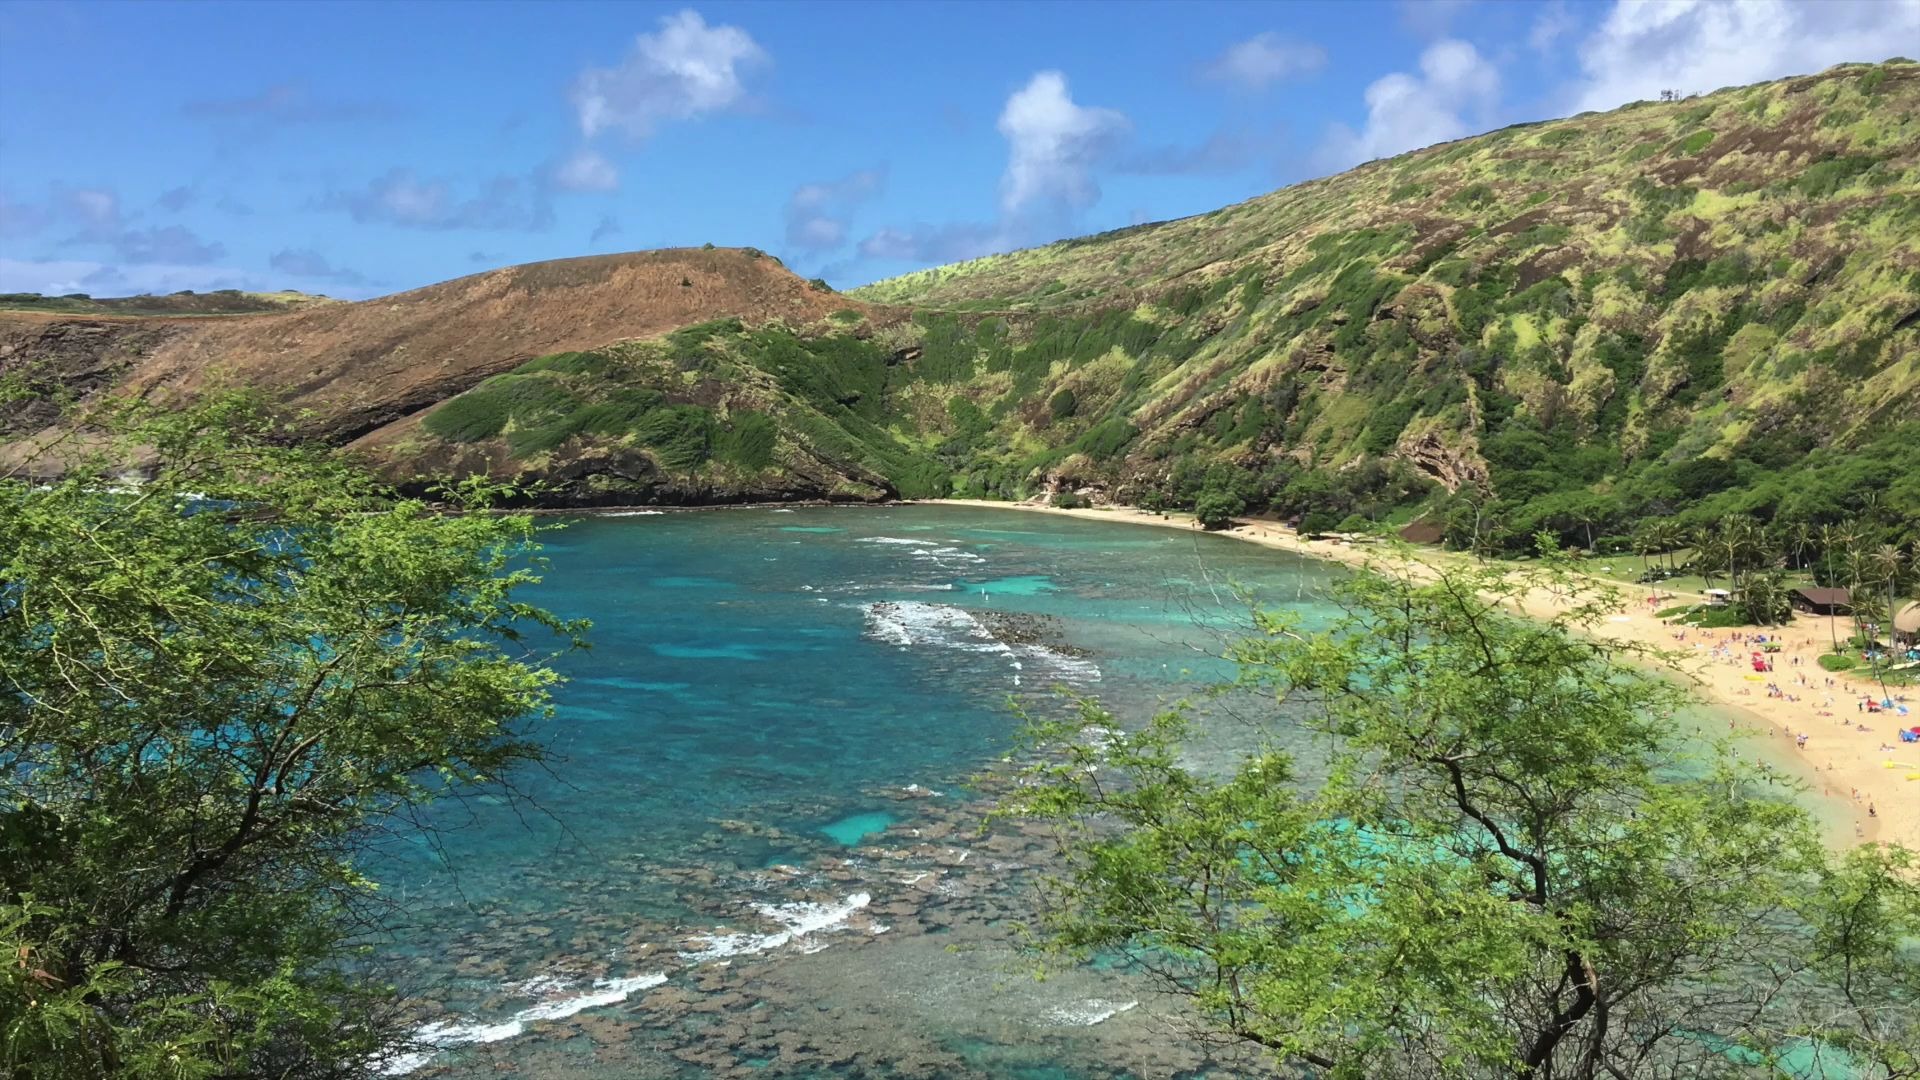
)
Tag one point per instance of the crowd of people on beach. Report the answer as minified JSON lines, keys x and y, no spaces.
{"x":1820,"y":693}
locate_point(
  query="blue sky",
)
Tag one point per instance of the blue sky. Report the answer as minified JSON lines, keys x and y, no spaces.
{"x":359,"y":149}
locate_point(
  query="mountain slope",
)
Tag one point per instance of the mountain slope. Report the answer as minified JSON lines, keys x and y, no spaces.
{"x":366,"y":373}
{"x":1683,"y":309}
{"x":1570,"y":308}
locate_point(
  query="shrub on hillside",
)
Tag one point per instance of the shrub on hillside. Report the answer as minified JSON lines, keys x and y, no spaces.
{"x":470,"y":417}
{"x":483,"y":412}
{"x":1837,"y":662}
{"x":567,"y":363}
{"x":749,"y":440}
{"x":1062,"y":404}
{"x":620,"y":413}
{"x":1069,"y":500}
{"x":681,"y":436}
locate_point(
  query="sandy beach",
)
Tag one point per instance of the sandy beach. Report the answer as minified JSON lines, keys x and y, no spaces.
{"x":1851,"y":761}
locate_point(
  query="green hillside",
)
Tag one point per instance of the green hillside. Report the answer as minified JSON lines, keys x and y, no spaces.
{"x":1679,"y":310}
{"x":716,"y":412}
{"x":1670,"y":308}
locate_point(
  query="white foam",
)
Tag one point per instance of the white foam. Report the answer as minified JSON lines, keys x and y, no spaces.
{"x":942,"y":554}
{"x":1087,"y":1013}
{"x":900,"y":541}
{"x":797,"y":922}
{"x":633,"y":513}
{"x":445,"y":1034}
{"x":783,"y":511}
{"x":541,"y":985}
{"x":916,"y":623}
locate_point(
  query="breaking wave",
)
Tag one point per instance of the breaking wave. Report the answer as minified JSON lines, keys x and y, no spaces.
{"x":911,"y":624}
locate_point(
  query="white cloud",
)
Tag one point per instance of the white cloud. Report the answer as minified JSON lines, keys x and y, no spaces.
{"x":1053,"y":145}
{"x":686,"y":69}
{"x":1263,"y":59}
{"x":586,"y":170}
{"x":1695,"y":46}
{"x":818,"y":214}
{"x":1453,"y":95}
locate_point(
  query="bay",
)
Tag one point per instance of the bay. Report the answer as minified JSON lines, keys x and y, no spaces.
{"x":757,"y":851}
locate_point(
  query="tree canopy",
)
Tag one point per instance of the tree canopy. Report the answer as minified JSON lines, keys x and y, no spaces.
{"x":217,"y":680}
{"x":1516,"y":865}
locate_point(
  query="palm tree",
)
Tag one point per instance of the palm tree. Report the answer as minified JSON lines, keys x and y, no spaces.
{"x":1642,"y":544}
{"x":1872,"y":506}
{"x":1887,"y":565}
{"x":1765,"y":598}
{"x":1835,"y":540}
{"x":1859,"y":569}
{"x":1798,"y":536}
{"x":1700,"y":538}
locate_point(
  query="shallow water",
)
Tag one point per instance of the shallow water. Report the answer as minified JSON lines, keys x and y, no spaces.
{"x":758,"y":852}
{"x":780,"y":711}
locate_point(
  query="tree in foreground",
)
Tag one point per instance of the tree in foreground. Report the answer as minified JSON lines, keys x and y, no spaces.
{"x":1514,"y":867}
{"x":215,"y":684}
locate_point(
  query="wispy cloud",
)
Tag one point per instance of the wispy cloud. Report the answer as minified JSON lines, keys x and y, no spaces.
{"x":585,"y":170}
{"x":1222,"y":152}
{"x":287,"y":105}
{"x":1431,"y":18}
{"x":608,"y":226}
{"x":94,"y":217}
{"x":1553,"y":22}
{"x":310,"y":264}
{"x":935,"y":243}
{"x":402,"y":199}
{"x":1264,"y":59}
{"x":684,"y":70}
{"x":819,"y":215}
{"x":59,"y":276}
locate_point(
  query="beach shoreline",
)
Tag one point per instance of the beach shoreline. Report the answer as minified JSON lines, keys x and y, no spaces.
{"x":1842,"y":767}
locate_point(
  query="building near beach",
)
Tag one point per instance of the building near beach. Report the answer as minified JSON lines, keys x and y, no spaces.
{"x":1823,"y":601}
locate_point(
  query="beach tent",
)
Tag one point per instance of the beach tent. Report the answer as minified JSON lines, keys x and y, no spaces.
{"x":1906,"y":624}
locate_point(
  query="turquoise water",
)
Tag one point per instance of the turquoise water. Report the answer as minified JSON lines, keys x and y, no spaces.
{"x":758,"y":851}
{"x":763,"y":776}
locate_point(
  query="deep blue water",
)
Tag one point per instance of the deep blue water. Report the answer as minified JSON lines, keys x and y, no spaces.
{"x":761,"y":687}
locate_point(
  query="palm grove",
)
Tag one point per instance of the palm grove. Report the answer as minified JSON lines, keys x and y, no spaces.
{"x":222,"y":680}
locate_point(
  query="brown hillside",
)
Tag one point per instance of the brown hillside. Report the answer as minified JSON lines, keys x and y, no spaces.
{"x":360,"y":366}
